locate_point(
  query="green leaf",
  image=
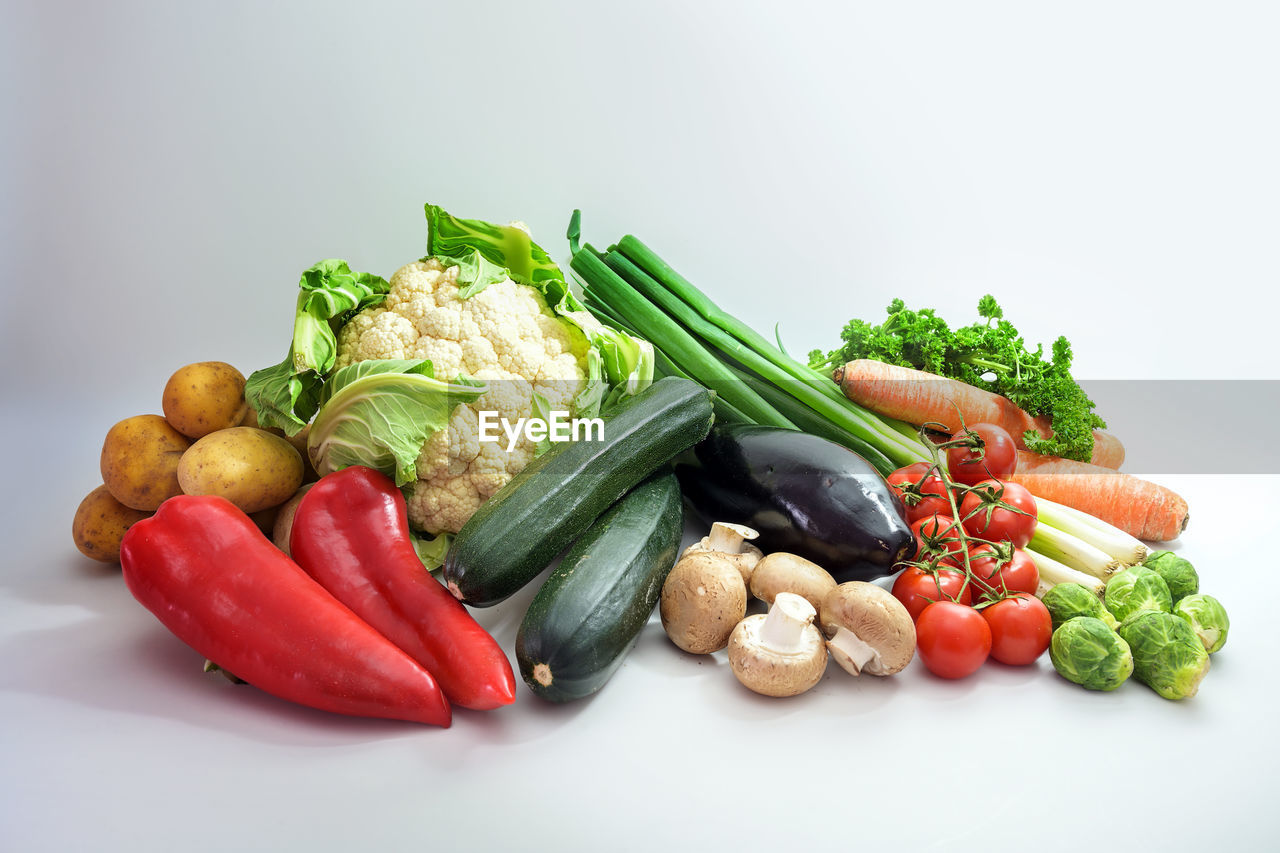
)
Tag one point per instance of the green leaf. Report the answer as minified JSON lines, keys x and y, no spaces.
{"x":379,"y":413}
{"x":283,"y":398}
{"x":330,"y":292}
{"x":480,"y":248}
{"x":431,"y":550}
{"x":286,"y":395}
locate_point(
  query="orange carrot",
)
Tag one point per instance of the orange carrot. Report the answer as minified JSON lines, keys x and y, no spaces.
{"x":918,"y":398}
{"x":1136,"y":506}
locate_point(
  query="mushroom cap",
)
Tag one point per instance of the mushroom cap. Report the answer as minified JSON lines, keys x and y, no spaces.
{"x":779,"y":670}
{"x":858,"y":612}
{"x":784,"y":572}
{"x":703,"y":598}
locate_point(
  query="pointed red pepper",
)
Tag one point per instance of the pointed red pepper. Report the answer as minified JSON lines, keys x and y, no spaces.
{"x":351,"y":534}
{"x":207,"y":572}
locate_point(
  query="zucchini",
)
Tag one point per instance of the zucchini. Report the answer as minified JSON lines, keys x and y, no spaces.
{"x":589,"y":612}
{"x":517,"y":532}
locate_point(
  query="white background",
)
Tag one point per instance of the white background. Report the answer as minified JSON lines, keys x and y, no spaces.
{"x":1107,"y":170}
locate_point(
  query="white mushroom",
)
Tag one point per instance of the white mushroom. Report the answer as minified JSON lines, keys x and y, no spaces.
{"x":779,"y":653}
{"x":869,"y":630}
{"x":783,"y":572}
{"x":703,"y":598}
{"x":731,"y":540}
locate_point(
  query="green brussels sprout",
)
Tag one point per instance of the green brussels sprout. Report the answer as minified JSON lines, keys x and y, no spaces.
{"x":1208,"y":618}
{"x":1066,"y":601}
{"x":1178,"y":574}
{"x":1086,"y":650}
{"x":1168,"y":657}
{"x":1134,"y":590}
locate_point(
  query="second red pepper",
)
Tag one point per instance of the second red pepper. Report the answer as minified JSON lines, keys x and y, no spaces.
{"x":351,"y":534}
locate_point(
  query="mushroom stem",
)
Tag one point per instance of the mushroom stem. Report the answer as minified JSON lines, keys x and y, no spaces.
{"x":783,"y":628}
{"x":849,"y":648}
{"x":728,"y":537}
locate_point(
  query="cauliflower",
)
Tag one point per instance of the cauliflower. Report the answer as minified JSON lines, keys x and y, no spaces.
{"x":506,"y":336}
{"x":394,"y":374}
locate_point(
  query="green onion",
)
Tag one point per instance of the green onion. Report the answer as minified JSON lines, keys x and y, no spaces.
{"x":819,"y":395}
{"x":1053,"y":572}
{"x":604,"y":286}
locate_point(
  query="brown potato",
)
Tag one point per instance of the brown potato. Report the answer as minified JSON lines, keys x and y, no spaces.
{"x":204,"y":397}
{"x":140,"y":461}
{"x":284,"y":520}
{"x":100,"y":524}
{"x":249,"y":467}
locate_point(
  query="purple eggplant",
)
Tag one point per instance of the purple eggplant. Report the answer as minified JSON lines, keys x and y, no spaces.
{"x":804,"y":495}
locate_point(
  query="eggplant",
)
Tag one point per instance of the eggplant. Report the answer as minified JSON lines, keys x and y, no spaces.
{"x":803,"y":494}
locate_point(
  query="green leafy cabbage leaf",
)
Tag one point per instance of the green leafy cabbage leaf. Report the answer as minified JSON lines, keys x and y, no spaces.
{"x":287,"y":395}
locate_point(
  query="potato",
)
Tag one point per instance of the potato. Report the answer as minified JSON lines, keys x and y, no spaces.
{"x":140,"y":461}
{"x":284,"y":520}
{"x":100,"y":524}
{"x":204,"y":397}
{"x":248,"y":466}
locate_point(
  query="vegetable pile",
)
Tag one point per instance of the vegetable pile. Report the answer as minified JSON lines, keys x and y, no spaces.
{"x":918,"y":492}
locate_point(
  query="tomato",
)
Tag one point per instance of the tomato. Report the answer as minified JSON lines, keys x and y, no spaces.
{"x":1000,"y":512}
{"x":1020,"y":629}
{"x":990,"y":569}
{"x":937,"y":533}
{"x":990,"y":455}
{"x":953,"y":639}
{"x":922,"y":491}
{"x":917,"y":588}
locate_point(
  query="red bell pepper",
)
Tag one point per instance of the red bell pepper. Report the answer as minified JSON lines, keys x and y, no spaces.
{"x":351,"y":534}
{"x":207,"y":572}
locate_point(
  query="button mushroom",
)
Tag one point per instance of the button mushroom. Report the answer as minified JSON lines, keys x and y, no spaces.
{"x":703,"y":598}
{"x":783,"y":572}
{"x":731,"y":541}
{"x":868,"y":629}
{"x":779,"y":653}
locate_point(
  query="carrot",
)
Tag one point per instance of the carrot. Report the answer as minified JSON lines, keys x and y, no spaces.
{"x":918,"y":398}
{"x":1136,"y":506}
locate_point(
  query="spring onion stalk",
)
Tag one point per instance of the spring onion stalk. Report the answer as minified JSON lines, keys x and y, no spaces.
{"x":1073,"y":552}
{"x":806,"y":380}
{"x":1111,"y":540}
{"x":646,"y":259}
{"x":725,"y":411}
{"x":899,"y":449}
{"x":603,"y":285}
{"x":1053,"y":573}
{"x":807,"y":420}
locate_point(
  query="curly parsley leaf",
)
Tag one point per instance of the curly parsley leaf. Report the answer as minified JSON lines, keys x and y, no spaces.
{"x":990,"y":355}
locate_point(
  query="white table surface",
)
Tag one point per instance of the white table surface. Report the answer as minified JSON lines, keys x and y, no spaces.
{"x":1107,"y":171}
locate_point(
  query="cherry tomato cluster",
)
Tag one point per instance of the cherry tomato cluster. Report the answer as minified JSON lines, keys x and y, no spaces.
{"x":971,"y":588}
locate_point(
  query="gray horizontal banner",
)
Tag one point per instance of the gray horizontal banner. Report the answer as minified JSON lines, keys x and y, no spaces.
{"x":1166,"y":426}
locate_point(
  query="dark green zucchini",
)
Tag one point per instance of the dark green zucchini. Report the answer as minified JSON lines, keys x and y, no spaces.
{"x":589,"y":613}
{"x":517,"y":532}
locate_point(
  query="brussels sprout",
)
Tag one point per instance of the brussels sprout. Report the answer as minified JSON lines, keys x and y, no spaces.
{"x":1178,"y":574}
{"x":1168,"y":657}
{"x":1135,"y":590}
{"x":1066,"y":601}
{"x":1087,"y":651}
{"x":1207,"y":617}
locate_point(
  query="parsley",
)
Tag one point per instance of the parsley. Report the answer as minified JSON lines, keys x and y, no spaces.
{"x":989,"y":354}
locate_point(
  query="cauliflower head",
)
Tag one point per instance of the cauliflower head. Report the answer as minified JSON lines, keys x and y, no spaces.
{"x":387,"y":372}
{"x":504,"y":335}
